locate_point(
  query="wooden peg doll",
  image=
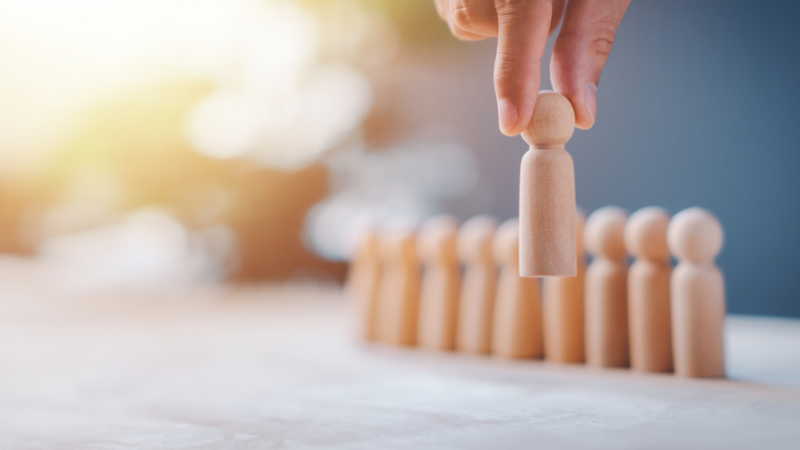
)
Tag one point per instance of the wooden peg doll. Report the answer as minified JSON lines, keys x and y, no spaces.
{"x":441,"y":278}
{"x":695,"y":238}
{"x":547,"y":192}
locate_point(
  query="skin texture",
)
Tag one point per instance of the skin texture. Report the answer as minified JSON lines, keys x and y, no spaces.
{"x":521,"y":28}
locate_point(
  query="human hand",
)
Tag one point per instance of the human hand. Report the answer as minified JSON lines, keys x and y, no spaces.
{"x":521,"y":28}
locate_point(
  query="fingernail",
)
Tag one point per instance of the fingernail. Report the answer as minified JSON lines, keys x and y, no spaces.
{"x":508,"y":115}
{"x":591,"y":100}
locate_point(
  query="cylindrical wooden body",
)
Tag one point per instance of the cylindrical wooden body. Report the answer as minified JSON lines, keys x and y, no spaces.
{"x":607,"y":313}
{"x":698,"y":317}
{"x":563,"y":307}
{"x":398,"y":306}
{"x":476,"y":307}
{"x":361,"y":287}
{"x":398,"y":297}
{"x":547,"y":244}
{"x":438,"y":307}
{"x":517,"y":328}
{"x":649,"y":316}
{"x":362,"y":291}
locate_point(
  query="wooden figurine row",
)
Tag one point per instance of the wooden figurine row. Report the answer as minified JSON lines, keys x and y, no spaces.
{"x":447,"y":287}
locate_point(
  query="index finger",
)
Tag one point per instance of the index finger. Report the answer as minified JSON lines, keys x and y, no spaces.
{"x":523,"y":27}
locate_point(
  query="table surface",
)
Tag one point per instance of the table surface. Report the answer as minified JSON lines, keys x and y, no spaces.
{"x":276,"y":367}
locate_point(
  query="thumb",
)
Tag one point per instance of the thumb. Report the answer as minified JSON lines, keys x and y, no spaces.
{"x":581,"y":51}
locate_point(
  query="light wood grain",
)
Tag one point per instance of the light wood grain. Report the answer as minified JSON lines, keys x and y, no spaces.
{"x":441,"y":279}
{"x":649,"y":313}
{"x":362,"y":285}
{"x":606,"y":289}
{"x":398,"y":296}
{"x":478,"y":286}
{"x":698,"y":294}
{"x":563,"y":309}
{"x":547,"y":192}
{"x":517,"y":327}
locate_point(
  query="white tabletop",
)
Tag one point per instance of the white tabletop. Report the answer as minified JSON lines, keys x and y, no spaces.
{"x":276,"y":368}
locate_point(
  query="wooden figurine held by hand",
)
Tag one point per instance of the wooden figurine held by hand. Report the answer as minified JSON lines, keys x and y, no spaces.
{"x":547,"y":192}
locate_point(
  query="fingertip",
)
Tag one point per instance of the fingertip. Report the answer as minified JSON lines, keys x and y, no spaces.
{"x":583,"y":122}
{"x":463,"y":34}
{"x":514,"y":117}
{"x":508,"y":116}
{"x":525,"y":116}
{"x":590,"y":91}
{"x":586,"y":107}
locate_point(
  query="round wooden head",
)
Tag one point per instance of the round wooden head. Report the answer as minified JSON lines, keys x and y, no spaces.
{"x":553,"y":121}
{"x":436,"y":241}
{"x":604,"y":231}
{"x":646,"y":234}
{"x":506,"y":243}
{"x":474,"y":240}
{"x":695,"y":235}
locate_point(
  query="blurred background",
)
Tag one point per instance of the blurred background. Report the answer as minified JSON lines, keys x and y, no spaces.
{"x":158,"y":143}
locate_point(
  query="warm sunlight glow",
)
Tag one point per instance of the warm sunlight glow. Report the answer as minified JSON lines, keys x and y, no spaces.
{"x":59,"y":57}
{"x":276,"y":101}
{"x":220,"y":112}
{"x":282,"y":106}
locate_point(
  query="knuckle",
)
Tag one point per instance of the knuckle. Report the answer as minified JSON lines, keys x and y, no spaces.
{"x":503,"y":69}
{"x":601,"y":47}
{"x":515,"y":6}
{"x":598,"y":38}
{"x":460,"y":33}
{"x":464,"y":17}
{"x":467,"y":16}
{"x":508,"y":65}
{"x":602,"y":39}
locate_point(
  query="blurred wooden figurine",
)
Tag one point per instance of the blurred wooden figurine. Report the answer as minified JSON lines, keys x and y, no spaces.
{"x":436,"y":247}
{"x":563,"y":308}
{"x":695,"y":238}
{"x":398,"y":298}
{"x":606,"y":289}
{"x":476,"y":304}
{"x":517,"y":327}
{"x":648,"y":290}
{"x":362,"y":284}
{"x":547,"y":192}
